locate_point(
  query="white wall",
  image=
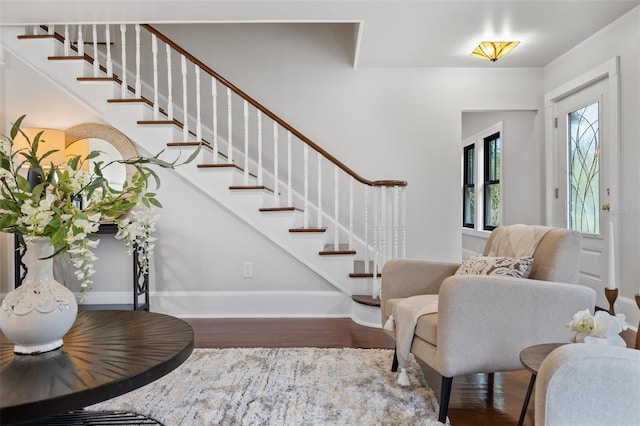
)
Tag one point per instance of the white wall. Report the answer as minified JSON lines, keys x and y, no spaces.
{"x":622,"y":38}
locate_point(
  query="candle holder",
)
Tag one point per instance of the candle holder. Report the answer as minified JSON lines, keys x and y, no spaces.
{"x":638,"y":332}
{"x":612,"y":295}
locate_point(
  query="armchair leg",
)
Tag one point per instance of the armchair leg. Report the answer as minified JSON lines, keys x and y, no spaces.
{"x":445,"y":393}
{"x":394,"y":364}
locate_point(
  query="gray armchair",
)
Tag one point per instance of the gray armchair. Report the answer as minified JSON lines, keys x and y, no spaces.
{"x":583,"y":384}
{"x":484,"y":321}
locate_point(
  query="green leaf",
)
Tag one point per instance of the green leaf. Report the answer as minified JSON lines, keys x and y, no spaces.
{"x":155,"y":202}
{"x":16,"y":127}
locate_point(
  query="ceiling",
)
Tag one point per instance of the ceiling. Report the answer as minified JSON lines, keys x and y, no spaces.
{"x":387,"y":33}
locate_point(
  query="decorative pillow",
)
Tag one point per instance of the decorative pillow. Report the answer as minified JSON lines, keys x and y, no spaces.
{"x":518,"y":267}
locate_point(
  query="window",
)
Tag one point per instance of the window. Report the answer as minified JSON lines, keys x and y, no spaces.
{"x":492,"y":181}
{"x":468,"y":187}
{"x":481,"y":179}
{"x":584,"y":169}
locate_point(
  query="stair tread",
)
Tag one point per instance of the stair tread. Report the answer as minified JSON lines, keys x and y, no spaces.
{"x":241,"y":187}
{"x":96,"y":79}
{"x":64,"y":58}
{"x":156,"y":122}
{"x":363,"y":275}
{"x":277,"y":209}
{"x":35,"y":36}
{"x":337,"y":252}
{"x":213,"y":166}
{"x":365,"y":300}
{"x":125,"y":100}
{"x":310,"y":230}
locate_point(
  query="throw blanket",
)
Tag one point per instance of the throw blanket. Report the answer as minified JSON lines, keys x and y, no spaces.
{"x":404,"y":319}
{"x":517,"y":240}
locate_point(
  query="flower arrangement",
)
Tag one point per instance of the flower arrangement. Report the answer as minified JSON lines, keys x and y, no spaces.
{"x":47,"y":204}
{"x":600,"y":328}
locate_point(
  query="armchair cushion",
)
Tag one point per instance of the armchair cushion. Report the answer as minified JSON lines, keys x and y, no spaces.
{"x":581,"y":384}
{"x":518,"y":267}
{"x":427,"y":325}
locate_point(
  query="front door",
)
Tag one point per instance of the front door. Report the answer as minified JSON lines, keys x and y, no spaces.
{"x":584,"y":179}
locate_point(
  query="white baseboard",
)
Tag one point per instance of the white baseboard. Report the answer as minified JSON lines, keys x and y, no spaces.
{"x":252,"y":304}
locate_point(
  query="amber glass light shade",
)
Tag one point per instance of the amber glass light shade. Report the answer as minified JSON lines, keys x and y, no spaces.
{"x":51,"y":139}
{"x":494,"y":50}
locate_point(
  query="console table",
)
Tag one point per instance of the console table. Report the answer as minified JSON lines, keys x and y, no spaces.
{"x":105,"y":354}
{"x":140,"y":278}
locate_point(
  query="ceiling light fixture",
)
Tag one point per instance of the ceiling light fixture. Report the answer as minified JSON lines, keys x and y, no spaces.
{"x":494,"y":50}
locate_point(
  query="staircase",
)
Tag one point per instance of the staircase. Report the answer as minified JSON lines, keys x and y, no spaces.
{"x":254,"y":164}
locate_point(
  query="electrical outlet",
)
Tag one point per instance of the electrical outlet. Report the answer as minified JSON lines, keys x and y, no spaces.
{"x":247,"y":270}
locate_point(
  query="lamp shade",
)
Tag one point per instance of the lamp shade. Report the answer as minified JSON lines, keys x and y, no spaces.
{"x":494,"y":50}
{"x":51,"y":139}
{"x":79,"y":148}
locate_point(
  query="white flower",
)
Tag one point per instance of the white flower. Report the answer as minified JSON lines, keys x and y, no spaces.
{"x":605,"y":325}
{"x":136,"y":232}
{"x":582,"y":322}
{"x":601,"y":328}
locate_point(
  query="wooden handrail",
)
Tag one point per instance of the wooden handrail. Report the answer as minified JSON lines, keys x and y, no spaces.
{"x":270,"y":114}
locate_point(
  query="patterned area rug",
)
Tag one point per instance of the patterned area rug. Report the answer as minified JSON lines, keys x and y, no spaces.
{"x":302,"y":386}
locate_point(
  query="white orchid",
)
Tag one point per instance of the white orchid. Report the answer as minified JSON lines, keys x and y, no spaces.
{"x":600,"y":328}
{"x":136,"y":232}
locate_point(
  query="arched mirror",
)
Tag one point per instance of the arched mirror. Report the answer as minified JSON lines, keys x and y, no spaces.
{"x":87,"y":137}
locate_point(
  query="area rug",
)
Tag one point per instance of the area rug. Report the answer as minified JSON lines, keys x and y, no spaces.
{"x":299,"y":386}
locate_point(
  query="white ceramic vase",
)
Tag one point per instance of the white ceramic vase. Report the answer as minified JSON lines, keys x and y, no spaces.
{"x":36,"y":315}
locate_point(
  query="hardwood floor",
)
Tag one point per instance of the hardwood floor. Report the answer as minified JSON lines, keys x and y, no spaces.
{"x":474,"y":400}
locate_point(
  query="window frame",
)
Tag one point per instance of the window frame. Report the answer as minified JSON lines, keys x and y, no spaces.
{"x":468,"y":182}
{"x":477,"y":140}
{"x":491,"y":178}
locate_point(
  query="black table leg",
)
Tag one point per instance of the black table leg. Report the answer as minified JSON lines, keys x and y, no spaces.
{"x":532,"y":382}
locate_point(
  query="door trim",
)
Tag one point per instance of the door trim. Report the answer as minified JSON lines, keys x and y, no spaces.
{"x":611,"y":132}
{"x":608,"y":70}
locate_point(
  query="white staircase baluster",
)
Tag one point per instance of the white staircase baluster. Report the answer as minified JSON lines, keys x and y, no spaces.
{"x":214,"y":96}
{"x":123,"y":59}
{"x":276,"y":179}
{"x":319,"y":215}
{"x":376,"y":244}
{"x":403,"y":221}
{"x":138,"y":85}
{"x":154,"y":52}
{"x":198,"y":107}
{"x":185,"y":113}
{"x":246,"y":143}
{"x":107,"y":34}
{"x":259,"y":114}
{"x":169,"y":84}
{"x":383,"y":225}
{"x":351,"y":213}
{"x":396,"y":205}
{"x":230,"y":127}
{"x":306,"y":187}
{"x":289,"y":186}
{"x":96,"y":62}
{"x":67,"y":41}
{"x":366,"y":229}
{"x":80,"y":41}
{"x":336,"y":208}
{"x":50,"y":29}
